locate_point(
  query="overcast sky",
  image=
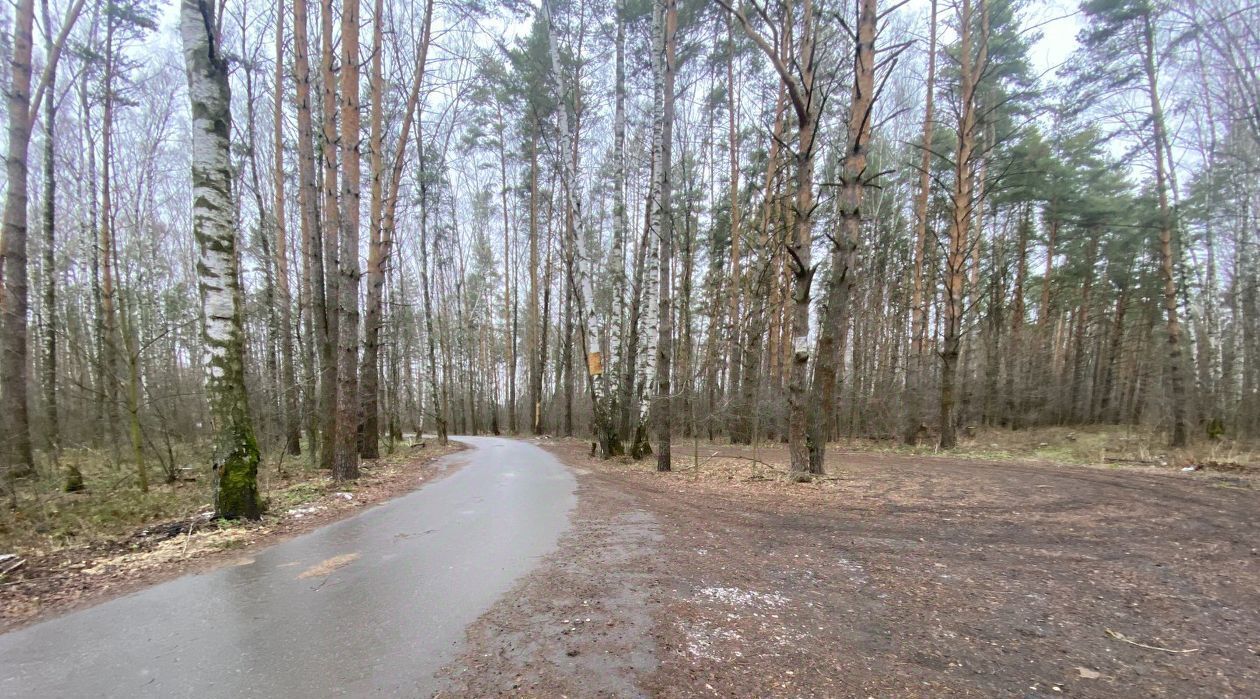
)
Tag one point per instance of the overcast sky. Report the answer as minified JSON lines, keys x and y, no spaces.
{"x":1057,"y":43}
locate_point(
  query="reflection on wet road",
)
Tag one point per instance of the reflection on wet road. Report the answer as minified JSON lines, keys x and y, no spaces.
{"x":372,"y":604}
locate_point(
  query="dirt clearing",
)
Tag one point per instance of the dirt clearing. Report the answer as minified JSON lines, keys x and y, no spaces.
{"x":898,"y":576}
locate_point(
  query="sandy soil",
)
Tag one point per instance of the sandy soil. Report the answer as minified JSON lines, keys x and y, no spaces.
{"x":51,"y":583}
{"x":898,"y":576}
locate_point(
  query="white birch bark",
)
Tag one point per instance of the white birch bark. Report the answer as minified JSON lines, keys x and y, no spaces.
{"x":580,"y":282}
{"x":617,"y":258}
{"x":235,"y":459}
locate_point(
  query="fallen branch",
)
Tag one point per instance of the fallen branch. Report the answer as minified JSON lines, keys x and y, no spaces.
{"x":746,"y":458}
{"x":12,"y":567}
{"x":709,"y":458}
{"x":1121,"y":637}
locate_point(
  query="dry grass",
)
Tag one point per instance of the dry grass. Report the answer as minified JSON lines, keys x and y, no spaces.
{"x":1089,"y":445}
{"x":1099,"y":446}
{"x":41,"y":517}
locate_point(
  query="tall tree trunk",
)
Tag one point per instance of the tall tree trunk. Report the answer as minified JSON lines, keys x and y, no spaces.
{"x":1014,"y":358}
{"x":1176,"y":378}
{"x":16,"y":447}
{"x":808,"y":105}
{"x":288,"y":378}
{"x":329,"y":231}
{"x":916,"y":363}
{"x":993,"y":335}
{"x":662,"y":410}
{"x":235,"y":461}
{"x":646,"y":357}
{"x":16,"y":457}
{"x":621,"y":329}
{"x":74,"y":478}
{"x":963,"y":203}
{"x":509,"y":283}
{"x":346,"y":452}
{"x":736,"y":285}
{"x":439,"y":403}
{"x":308,"y":204}
{"x":798,"y":81}
{"x":535,"y":342}
{"x":132,"y":350}
{"x":109,"y":336}
{"x":853,"y":180}
{"x":564,"y":373}
{"x":369,"y":373}
{"x":90,"y":233}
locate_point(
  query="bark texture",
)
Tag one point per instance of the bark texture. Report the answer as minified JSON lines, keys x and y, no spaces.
{"x":235,"y":459}
{"x":16,"y":450}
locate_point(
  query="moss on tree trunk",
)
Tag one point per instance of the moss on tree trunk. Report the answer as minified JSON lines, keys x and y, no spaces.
{"x":235,"y":458}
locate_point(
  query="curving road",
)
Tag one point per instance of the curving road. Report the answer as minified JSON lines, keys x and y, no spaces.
{"x":422,"y":568}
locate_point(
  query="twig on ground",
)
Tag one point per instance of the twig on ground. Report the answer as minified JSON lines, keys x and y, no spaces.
{"x":1121,"y":637}
{"x":187,"y":537}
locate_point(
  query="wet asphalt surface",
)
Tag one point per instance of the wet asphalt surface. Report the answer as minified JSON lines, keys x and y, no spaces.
{"x":428,"y":564}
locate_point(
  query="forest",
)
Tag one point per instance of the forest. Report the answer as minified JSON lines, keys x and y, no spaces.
{"x":237,"y":230}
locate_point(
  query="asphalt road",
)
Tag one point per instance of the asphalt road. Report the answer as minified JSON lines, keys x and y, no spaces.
{"x":424,"y":567}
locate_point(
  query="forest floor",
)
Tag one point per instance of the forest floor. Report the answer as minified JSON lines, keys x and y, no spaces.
{"x":63,"y":551}
{"x":1094,"y":445}
{"x":896,"y":575}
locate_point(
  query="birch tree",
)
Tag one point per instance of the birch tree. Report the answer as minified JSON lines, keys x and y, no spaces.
{"x":235,"y":458}
{"x":578,"y":282}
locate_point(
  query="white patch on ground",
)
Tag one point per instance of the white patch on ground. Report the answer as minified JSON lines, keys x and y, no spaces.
{"x":856,"y":573}
{"x":736,"y":597}
{"x":300,"y":512}
{"x":705,"y":642}
{"x":711,"y":642}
